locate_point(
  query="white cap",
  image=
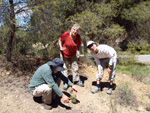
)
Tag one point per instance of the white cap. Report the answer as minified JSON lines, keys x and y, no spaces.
{"x":90,"y":43}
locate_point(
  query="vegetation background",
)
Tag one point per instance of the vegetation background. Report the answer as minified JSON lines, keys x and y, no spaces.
{"x":32,"y":27}
{"x":29,"y":31}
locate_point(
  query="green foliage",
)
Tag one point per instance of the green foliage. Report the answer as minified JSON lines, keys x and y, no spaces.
{"x":126,"y":59}
{"x":89,"y":22}
{"x":114,"y":31}
{"x":25,"y":65}
{"x":4,"y":31}
{"x":125,"y":96}
{"x":139,"y":16}
{"x":89,"y":61}
{"x":106,"y":12}
{"x":138,"y":71}
{"x":73,"y":99}
{"x":141,"y":73}
{"x":23,"y":42}
{"x":148,"y":107}
{"x":140,"y":46}
{"x":95,"y":22}
{"x":45,"y":24}
{"x":113,"y":106}
{"x":102,"y":21}
{"x":139,"y":13}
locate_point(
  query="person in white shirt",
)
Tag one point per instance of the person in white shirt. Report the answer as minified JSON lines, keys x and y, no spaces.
{"x":104,"y":55}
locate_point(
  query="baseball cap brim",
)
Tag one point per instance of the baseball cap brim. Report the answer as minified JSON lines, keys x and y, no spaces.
{"x":90,"y":43}
{"x":58,"y":68}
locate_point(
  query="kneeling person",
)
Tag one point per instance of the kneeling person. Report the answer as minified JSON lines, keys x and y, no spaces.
{"x":45,"y":80}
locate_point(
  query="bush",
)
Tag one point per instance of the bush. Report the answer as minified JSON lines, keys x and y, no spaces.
{"x":139,"y":47}
{"x":148,"y":107}
{"x":125,"y":96}
{"x":126,"y":59}
{"x":89,"y":61}
{"x":141,"y":73}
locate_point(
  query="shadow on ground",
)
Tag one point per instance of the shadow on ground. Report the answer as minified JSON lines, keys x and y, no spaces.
{"x":83,"y":78}
{"x":56,"y":102}
{"x":104,"y":85}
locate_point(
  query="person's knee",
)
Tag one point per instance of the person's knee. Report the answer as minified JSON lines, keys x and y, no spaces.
{"x":47,"y":89}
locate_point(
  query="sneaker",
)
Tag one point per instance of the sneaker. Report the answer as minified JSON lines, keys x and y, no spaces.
{"x":96,"y":90}
{"x":46,"y":106}
{"x":109,"y":91}
{"x":65,"y":86}
{"x":80,"y":83}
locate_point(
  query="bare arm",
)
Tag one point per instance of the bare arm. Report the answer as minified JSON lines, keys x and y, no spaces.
{"x":78,"y":51}
{"x":109,"y":69}
{"x":99,"y":71}
{"x":60,"y":45}
{"x":78,"y":48}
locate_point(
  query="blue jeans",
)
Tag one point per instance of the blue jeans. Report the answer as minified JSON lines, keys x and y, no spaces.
{"x":104,"y":63}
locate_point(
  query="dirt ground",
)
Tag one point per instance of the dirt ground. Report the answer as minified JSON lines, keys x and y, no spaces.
{"x":15,"y":98}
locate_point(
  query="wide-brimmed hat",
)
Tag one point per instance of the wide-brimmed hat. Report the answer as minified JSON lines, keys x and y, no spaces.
{"x":90,"y":43}
{"x":57,"y":63}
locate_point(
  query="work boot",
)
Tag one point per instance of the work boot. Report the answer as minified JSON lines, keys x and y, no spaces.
{"x":65,"y":86}
{"x":80,"y":83}
{"x":46,"y":106}
{"x":109,"y":91}
{"x":96,"y":90}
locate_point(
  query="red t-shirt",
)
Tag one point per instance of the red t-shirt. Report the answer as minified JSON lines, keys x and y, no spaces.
{"x":71,"y":46}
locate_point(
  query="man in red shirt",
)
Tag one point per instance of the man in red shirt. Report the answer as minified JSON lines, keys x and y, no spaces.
{"x":69,"y":44}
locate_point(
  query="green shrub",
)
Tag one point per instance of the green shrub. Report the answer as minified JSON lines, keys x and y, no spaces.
{"x":126,"y":59}
{"x":141,"y":73}
{"x":148,"y":107}
{"x":113,"y":105}
{"x":139,"y":46}
{"x":73,"y":99}
{"x":88,"y":61}
{"x":25,"y":65}
{"x":138,"y":71}
{"x":125,"y":96}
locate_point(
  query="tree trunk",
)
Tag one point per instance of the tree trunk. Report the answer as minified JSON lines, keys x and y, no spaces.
{"x":85,"y":48}
{"x":12,"y":32}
